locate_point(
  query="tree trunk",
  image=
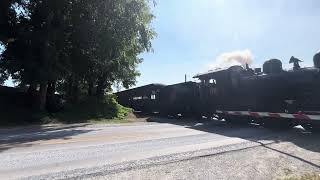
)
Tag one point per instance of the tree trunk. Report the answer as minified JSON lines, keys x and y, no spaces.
{"x":45,"y":64}
{"x":32,"y":88}
{"x":43,"y":96}
{"x":90,"y":88}
{"x":101,"y":87}
{"x":51,"y":88}
{"x":72,"y":89}
{"x":75,"y":92}
{"x":32,"y":99}
{"x":69,"y":88}
{"x":50,"y":92}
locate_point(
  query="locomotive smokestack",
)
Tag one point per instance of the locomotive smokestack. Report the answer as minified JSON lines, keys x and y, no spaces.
{"x":185,"y":78}
{"x":316,"y":60}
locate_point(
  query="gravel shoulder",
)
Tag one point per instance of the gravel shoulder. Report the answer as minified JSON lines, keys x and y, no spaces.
{"x":272,"y":161}
{"x":161,"y":149}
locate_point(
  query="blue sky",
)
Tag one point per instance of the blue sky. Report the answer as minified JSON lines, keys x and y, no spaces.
{"x":193,"y":33}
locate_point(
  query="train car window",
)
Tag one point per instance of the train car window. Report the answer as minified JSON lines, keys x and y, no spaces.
{"x":212,"y":81}
{"x":153,"y":96}
{"x":137,"y":98}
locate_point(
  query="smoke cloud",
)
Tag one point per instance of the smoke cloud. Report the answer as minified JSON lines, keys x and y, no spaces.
{"x":229,"y":59}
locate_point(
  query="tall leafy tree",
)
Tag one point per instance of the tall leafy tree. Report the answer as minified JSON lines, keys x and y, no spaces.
{"x":8,"y":21}
{"x":75,"y":44}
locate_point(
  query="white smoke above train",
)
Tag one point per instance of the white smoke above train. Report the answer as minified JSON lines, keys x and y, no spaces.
{"x":228,"y":59}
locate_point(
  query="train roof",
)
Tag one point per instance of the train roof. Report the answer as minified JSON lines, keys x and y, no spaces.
{"x":218,"y":72}
{"x":143,"y":88}
{"x":180,"y":84}
{"x":199,"y":75}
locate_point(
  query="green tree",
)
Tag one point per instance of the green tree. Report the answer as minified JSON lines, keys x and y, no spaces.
{"x":75,"y":45}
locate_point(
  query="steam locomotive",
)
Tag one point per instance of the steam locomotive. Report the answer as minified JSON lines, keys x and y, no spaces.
{"x":272,"y":97}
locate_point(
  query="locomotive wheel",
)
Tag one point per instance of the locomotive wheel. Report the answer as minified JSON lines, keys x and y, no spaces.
{"x":278,"y":124}
{"x":163,"y":114}
{"x":236,"y":120}
{"x":313,"y":129}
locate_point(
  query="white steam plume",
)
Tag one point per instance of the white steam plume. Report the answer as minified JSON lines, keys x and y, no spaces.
{"x":229,"y":59}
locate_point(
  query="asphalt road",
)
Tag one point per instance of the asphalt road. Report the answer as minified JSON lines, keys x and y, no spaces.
{"x":163,"y":149}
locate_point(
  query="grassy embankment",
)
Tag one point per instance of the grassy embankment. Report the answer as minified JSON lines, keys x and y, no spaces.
{"x":93,"y":110}
{"x":16,"y":112}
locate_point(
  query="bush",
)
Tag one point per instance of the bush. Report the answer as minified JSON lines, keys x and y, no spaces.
{"x":17,"y":109}
{"x":93,"y":108}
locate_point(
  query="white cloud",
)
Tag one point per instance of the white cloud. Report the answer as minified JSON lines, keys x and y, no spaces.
{"x":229,"y":59}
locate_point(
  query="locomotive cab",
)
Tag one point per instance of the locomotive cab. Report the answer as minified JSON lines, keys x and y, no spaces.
{"x":217,"y":88}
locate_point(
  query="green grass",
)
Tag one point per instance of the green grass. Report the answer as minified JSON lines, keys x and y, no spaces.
{"x":89,"y":110}
{"x":93,"y":109}
{"x":109,"y":121}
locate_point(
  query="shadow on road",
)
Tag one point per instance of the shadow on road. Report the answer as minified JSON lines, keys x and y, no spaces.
{"x":253,"y":133}
{"x":30,"y":136}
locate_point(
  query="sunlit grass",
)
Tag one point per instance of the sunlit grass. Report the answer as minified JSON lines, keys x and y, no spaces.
{"x":110,"y":121}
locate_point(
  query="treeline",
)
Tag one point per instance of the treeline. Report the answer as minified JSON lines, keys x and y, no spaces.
{"x":74,"y":47}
